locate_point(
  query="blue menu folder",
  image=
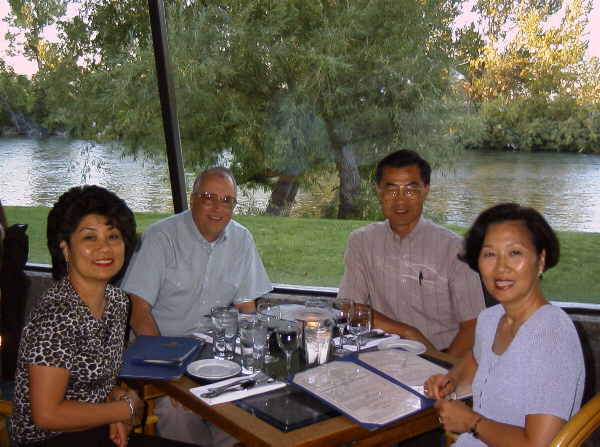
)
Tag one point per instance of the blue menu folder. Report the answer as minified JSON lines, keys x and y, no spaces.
{"x":159,"y":358}
{"x":335,"y":384}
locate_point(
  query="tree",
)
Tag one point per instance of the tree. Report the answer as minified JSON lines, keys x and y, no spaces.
{"x":286,"y":90}
{"x":293,"y":87}
{"x":524,"y":53}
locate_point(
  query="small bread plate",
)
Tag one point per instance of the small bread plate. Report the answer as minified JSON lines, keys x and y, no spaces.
{"x":213,"y":369}
{"x":409,"y":345}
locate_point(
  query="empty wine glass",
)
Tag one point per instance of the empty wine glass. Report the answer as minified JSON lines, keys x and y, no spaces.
{"x":288,"y":339}
{"x":342,"y":310}
{"x":269,"y":313}
{"x":360,"y":322}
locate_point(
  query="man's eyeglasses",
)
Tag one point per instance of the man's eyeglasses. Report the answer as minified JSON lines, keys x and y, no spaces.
{"x":411,"y":192}
{"x":210,"y":198}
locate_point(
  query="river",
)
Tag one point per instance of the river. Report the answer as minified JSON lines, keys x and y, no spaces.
{"x":565,"y":187}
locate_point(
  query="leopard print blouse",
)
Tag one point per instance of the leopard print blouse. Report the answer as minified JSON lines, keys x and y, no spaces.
{"x":63,"y":333}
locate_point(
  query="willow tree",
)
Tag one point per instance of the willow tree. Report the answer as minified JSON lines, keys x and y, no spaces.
{"x":286,"y":90}
{"x":292,"y":86}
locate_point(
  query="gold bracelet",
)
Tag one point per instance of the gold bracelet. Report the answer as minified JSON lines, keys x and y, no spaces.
{"x":129,"y":401}
{"x":473,"y":429}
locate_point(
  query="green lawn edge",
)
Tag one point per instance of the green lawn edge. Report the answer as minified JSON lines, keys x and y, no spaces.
{"x":309,"y":251}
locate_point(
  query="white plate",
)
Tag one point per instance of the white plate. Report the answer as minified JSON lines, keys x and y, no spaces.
{"x":410,"y":345}
{"x":213,"y":369}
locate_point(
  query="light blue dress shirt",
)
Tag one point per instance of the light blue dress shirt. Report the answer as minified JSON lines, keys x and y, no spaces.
{"x":182,"y":275}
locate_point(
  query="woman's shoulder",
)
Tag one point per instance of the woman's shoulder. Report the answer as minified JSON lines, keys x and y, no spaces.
{"x":491,"y":313}
{"x":553,"y":316}
{"x":57,"y":298}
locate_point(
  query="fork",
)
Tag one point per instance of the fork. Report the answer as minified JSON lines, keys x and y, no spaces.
{"x":245,"y":382}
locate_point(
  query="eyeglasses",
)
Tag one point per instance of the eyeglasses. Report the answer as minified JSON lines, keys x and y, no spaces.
{"x":411,"y":192}
{"x":210,"y":198}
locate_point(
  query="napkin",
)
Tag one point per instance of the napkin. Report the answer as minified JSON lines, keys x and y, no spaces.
{"x":370,"y":342}
{"x":234,"y":395}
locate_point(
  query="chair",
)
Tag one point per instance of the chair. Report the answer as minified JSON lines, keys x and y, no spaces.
{"x":574,"y":432}
{"x":581,"y":426}
{"x":5,"y":411}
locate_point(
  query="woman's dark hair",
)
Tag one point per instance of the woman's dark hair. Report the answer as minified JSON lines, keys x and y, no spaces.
{"x":542,"y":235}
{"x":402,"y":158}
{"x":72,"y":207}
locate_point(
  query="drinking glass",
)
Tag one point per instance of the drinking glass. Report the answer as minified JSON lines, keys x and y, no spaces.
{"x":225,"y":320}
{"x":360,"y":322}
{"x":342,"y":311}
{"x":317,"y":338}
{"x":288,"y":339}
{"x":269,"y":313}
{"x":253,"y":335}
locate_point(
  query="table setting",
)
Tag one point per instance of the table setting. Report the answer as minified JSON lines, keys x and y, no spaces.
{"x":253,"y":354}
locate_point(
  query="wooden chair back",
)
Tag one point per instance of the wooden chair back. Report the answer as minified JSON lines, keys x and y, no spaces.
{"x":581,"y":426}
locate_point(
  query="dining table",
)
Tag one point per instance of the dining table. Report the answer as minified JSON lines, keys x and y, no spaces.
{"x":290,"y":417}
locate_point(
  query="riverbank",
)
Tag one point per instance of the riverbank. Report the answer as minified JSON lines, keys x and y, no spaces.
{"x":310,"y":251}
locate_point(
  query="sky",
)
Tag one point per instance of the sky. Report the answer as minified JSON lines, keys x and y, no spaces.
{"x":22,"y":66}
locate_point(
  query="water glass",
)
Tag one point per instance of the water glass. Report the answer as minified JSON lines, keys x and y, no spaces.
{"x":288,"y":339}
{"x":269,"y":313}
{"x":225,"y":320}
{"x":317,"y":338}
{"x":253,"y":335}
{"x":342,"y":309}
{"x":360,"y":322}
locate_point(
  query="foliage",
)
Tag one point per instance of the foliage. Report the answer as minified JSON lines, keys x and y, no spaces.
{"x":524,"y":54}
{"x":15,"y":94}
{"x":537,"y":124}
{"x":280,"y":88}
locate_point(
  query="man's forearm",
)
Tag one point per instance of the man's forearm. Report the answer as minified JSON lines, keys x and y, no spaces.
{"x":142,"y":322}
{"x":463,"y":342}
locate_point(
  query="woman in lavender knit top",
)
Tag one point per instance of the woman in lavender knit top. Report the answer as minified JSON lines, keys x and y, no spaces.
{"x":526,"y":367}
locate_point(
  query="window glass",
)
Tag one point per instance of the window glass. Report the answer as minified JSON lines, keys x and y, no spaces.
{"x":79,"y":100}
{"x":300,"y":100}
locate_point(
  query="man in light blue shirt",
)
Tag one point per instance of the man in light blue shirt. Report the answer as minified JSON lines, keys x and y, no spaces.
{"x":186,"y":264}
{"x":192,"y":261}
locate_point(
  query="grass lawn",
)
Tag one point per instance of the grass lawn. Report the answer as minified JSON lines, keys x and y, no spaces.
{"x":307,"y":251}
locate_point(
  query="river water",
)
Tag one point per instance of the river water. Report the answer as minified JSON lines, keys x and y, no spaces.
{"x":565,"y":187}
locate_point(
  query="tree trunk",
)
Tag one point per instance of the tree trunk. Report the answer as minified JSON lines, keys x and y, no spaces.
{"x":345,"y":163}
{"x":283,"y":196}
{"x":349,"y":183}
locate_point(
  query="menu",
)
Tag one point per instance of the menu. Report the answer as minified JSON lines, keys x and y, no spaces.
{"x":375,"y":388}
{"x":407,"y":368}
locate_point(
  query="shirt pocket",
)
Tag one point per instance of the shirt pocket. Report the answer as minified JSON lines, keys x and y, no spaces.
{"x":435,"y":297}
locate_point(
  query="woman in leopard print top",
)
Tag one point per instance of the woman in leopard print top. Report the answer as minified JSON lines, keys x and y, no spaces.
{"x":71,"y":349}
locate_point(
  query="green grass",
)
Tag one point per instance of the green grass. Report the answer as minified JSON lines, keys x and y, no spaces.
{"x":307,"y":251}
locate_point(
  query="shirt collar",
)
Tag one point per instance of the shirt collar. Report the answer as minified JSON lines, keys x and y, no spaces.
{"x":422,"y":223}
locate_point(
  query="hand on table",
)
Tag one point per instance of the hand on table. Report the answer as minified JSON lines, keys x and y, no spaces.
{"x":439,"y":386}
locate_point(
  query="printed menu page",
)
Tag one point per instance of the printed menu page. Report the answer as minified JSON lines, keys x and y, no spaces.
{"x":363,"y":395}
{"x":407,"y":368}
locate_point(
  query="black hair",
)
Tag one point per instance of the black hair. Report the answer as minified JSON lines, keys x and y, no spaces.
{"x":72,"y":207}
{"x":542,"y":235}
{"x":402,"y":158}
